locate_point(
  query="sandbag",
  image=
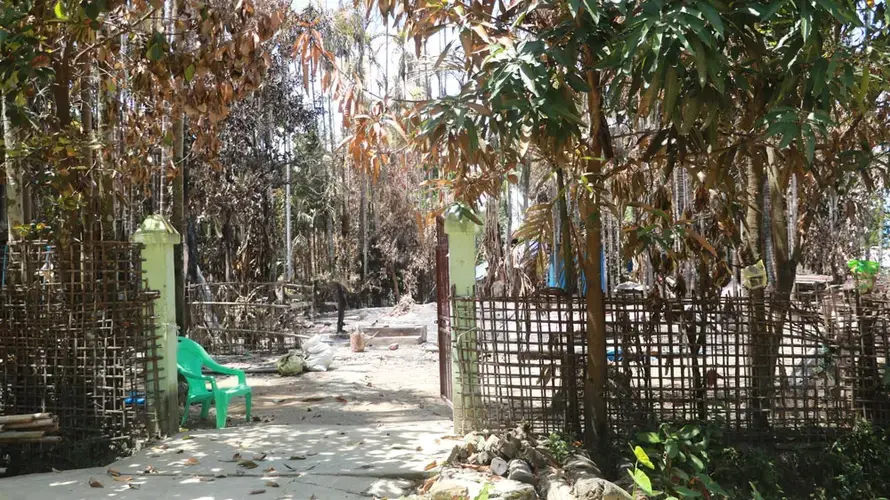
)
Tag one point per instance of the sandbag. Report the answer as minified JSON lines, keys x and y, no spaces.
{"x":290,"y":364}
{"x":357,"y":341}
{"x":317,"y":355}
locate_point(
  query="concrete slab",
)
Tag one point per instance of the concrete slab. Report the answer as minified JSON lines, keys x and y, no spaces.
{"x":330,"y":462}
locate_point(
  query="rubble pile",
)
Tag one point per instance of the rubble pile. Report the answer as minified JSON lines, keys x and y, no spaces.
{"x":514,"y":454}
{"x":515,"y":465}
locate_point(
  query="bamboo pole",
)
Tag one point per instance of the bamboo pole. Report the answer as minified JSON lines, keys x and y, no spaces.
{"x":15,"y":419}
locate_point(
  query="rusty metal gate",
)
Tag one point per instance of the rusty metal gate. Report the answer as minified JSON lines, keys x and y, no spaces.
{"x":443,"y":309}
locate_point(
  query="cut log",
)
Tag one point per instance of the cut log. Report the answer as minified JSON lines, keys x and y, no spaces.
{"x":554,"y":486}
{"x":499,"y":466}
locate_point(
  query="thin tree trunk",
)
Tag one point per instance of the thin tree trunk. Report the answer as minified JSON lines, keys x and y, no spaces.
{"x":395,"y":285}
{"x":15,"y":213}
{"x":105,"y":132}
{"x":363,"y":222}
{"x":760,"y":337}
{"x":568,"y":375}
{"x":288,"y":237}
{"x":86,"y":122}
{"x":595,"y":384}
{"x":178,"y":201}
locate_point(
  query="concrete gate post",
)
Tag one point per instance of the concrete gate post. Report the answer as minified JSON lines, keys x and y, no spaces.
{"x":159,"y":237}
{"x":461,"y":231}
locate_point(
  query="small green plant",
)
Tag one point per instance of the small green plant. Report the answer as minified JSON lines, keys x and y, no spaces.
{"x":560,"y":446}
{"x":864,"y":271}
{"x":678,"y":461}
{"x":483,"y":495}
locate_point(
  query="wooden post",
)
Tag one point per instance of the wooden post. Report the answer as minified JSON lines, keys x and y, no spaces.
{"x":461,"y":233}
{"x":159,"y":238}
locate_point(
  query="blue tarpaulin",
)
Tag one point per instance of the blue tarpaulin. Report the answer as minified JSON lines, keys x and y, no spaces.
{"x":556,"y":276}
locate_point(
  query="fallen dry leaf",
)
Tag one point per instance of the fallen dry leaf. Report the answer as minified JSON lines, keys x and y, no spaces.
{"x":180,"y":451}
{"x":247,"y":464}
{"x":477,"y":468}
{"x":271,"y":484}
{"x":192,"y":461}
{"x":289,"y":467}
{"x":419,"y":448}
{"x":298,"y":457}
{"x":257,"y":492}
{"x":56,"y":470}
{"x":113,"y":472}
{"x":187,"y":437}
{"x":313,"y":497}
{"x":312,"y":399}
{"x":428,"y":484}
{"x":236,"y":457}
{"x":134,"y":486}
{"x":431,"y":465}
{"x":165,"y":446}
{"x":150,"y":469}
{"x":341,"y":399}
{"x":269,"y":470}
{"x":220,"y":475}
{"x":123,"y":479}
{"x":260,"y":457}
{"x":95,"y":484}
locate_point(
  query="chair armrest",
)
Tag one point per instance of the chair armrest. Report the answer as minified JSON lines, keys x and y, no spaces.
{"x":213,"y":365}
{"x":196,"y":376}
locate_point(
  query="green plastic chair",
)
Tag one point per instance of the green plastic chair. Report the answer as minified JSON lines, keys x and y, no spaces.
{"x":191,"y":359}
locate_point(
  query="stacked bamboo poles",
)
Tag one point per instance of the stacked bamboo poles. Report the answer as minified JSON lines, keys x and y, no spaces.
{"x":29,"y":428}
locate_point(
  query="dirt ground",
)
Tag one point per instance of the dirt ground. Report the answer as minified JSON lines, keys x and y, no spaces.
{"x":377,"y":386}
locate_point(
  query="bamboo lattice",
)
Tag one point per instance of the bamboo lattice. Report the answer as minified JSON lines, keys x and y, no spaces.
{"x":77,"y":339}
{"x":678,"y":360}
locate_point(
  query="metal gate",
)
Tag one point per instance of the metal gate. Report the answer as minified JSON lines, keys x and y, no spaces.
{"x":443,"y":309}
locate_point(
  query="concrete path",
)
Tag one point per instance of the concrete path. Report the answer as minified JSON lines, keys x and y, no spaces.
{"x":261,"y":461}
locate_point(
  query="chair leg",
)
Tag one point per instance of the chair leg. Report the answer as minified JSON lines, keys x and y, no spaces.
{"x":205,"y":409}
{"x":222,"y":408}
{"x":185,"y":414}
{"x":247,"y":399}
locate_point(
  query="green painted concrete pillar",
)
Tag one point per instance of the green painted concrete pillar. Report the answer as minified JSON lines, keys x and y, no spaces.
{"x":159,"y":237}
{"x":461,"y":229}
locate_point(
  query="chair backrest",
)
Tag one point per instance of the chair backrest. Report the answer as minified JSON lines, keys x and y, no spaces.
{"x":191,"y":355}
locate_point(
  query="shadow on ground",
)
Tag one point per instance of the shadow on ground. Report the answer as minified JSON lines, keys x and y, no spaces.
{"x":285,"y":461}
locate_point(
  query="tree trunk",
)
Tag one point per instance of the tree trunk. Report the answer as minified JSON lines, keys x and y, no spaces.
{"x":397,"y":295}
{"x":759,"y":331}
{"x":86,"y":121}
{"x":178,"y":201}
{"x":569,"y":373}
{"x":105,"y":122}
{"x":363,"y":214}
{"x":595,"y":384}
{"x":565,"y":240}
{"x":15,"y":210}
